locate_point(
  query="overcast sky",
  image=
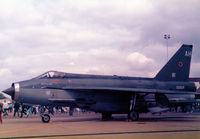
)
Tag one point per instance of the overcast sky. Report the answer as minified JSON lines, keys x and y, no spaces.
{"x":121,"y":37}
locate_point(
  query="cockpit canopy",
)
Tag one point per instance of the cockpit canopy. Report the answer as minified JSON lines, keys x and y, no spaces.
{"x":57,"y":74}
{"x":52,"y":74}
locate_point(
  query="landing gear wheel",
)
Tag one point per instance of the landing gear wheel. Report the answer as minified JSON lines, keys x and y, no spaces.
{"x":45,"y":118}
{"x":134,"y":116}
{"x":107,"y":116}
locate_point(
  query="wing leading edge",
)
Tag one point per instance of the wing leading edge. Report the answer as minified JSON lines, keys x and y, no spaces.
{"x":127,"y":90}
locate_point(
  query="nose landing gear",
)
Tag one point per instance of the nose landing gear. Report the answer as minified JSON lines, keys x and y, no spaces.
{"x":45,"y":118}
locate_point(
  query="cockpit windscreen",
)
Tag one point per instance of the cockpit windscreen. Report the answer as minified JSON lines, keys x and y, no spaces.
{"x":52,"y":74}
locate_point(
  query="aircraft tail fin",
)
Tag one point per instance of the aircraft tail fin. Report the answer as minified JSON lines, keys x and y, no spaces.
{"x":178,"y":67}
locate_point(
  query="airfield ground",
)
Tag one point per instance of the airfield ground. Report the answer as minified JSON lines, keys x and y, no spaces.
{"x":166,"y":126}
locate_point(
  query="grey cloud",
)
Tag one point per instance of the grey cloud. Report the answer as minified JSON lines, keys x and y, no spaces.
{"x":93,"y":36}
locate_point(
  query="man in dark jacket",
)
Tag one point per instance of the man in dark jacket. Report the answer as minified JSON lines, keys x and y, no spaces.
{"x":16,"y":107}
{"x":23,"y":111}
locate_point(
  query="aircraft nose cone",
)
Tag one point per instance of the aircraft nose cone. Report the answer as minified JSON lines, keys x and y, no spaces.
{"x":10,"y":91}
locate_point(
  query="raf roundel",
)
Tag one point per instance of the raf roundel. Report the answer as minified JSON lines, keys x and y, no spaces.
{"x":180,"y":64}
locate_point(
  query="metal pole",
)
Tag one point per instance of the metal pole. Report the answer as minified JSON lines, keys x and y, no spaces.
{"x":167,"y":37}
{"x":167,"y":49}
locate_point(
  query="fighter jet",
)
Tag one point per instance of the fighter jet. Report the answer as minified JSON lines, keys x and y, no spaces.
{"x":111,"y":94}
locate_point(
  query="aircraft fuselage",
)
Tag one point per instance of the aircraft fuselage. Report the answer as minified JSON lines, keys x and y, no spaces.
{"x":43,"y":90}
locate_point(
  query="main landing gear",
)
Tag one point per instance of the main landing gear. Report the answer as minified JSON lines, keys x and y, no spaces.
{"x":107,"y":116}
{"x":133,"y":115}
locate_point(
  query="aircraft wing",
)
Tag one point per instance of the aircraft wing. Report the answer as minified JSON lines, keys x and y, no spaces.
{"x":69,"y":102}
{"x":127,"y":90}
{"x":58,"y":100}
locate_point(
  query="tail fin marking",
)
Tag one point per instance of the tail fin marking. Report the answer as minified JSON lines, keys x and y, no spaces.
{"x":178,"y":67}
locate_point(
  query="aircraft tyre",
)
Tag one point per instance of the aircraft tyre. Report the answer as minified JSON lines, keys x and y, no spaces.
{"x":45,"y":118}
{"x":107,"y":116}
{"x":134,"y":116}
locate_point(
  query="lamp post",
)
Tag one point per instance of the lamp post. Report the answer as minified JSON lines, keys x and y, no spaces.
{"x":167,"y":37}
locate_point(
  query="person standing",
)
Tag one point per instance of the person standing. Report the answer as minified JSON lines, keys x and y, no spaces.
{"x":11,"y":106}
{"x":50,"y":110}
{"x":71,"y":111}
{"x":29,"y":111}
{"x":34,"y":110}
{"x":16,"y":109}
{"x":1,"y":111}
{"x":5,"y":108}
{"x":23,"y":110}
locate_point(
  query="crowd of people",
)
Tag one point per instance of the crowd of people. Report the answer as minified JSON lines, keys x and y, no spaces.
{"x":19,"y":110}
{"x":24,"y":110}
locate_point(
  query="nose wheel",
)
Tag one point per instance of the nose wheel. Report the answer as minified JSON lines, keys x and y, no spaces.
{"x":45,"y":118}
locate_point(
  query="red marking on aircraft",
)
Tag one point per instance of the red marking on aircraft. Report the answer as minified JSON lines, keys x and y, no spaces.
{"x":55,"y":81}
{"x":180,"y":64}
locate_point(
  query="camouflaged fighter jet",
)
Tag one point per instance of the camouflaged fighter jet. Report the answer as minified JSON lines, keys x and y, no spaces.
{"x":111,"y":94}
